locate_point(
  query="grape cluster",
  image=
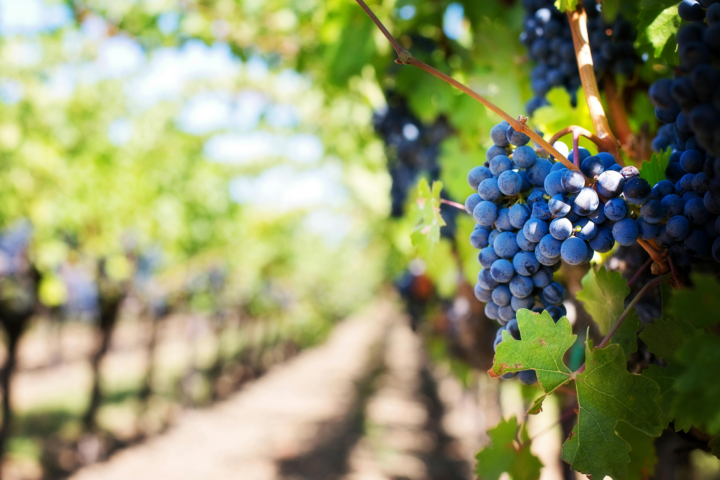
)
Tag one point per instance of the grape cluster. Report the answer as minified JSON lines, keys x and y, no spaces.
{"x":532,"y":214}
{"x":681,"y":213}
{"x":412,"y":149}
{"x":689,"y":104}
{"x":548,"y":38}
{"x":685,"y":206}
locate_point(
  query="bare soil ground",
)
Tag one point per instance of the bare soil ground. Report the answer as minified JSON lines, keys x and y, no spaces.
{"x":364,"y":405}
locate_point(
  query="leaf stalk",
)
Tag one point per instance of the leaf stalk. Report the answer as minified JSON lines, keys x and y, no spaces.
{"x":649,"y":286}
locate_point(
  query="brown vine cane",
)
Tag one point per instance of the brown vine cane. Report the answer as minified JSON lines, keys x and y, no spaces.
{"x":578,"y":27}
{"x":519,"y":124}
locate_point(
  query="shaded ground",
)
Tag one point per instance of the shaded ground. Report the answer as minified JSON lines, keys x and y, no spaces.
{"x":361,"y":406}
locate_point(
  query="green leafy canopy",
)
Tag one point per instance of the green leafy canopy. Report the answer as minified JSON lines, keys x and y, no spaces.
{"x":607,"y":393}
{"x":508,"y":451}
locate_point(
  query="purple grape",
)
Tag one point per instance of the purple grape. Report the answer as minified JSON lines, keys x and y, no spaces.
{"x":677,"y":228}
{"x":502,"y":271}
{"x":610,"y":184}
{"x":585,"y":202}
{"x":626,"y":232}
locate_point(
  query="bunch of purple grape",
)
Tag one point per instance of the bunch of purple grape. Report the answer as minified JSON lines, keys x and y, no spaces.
{"x":532,"y":214}
{"x":412,"y":149}
{"x":548,"y":38}
{"x":682,"y":213}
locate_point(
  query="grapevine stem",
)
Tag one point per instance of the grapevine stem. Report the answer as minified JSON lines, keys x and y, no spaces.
{"x":618,"y":114}
{"x":649,"y":286}
{"x":578,"y":26}
{"x":656,"y":255}
{"x":633,"y":302}
{"x":402,"y":53}
{"x":457,"y":205}
{"x":519,"y":125}
{"x":577,"y":130}
{"x":642,"y":269}
{"x":576,"y":149}
{"x":406,"y":58}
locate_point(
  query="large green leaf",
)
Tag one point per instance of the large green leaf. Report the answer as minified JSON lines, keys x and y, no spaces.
{"x":608,"y":393}
{"x":542,"y":348}
{"x":357,"y":37}
{"x":508,"y":451}
{"x":642,"y":456}
{"x":603,"y":296}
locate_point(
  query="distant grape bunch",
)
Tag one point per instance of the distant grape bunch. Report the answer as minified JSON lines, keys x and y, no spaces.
{"x":412,"y":149}
{"x":548,"y":38}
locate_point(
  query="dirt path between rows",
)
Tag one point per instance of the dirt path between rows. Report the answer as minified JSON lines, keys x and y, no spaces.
{"x":362,"y":406}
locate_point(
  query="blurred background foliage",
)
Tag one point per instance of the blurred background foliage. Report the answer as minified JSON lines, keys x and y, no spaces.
{"x":216,"y":160}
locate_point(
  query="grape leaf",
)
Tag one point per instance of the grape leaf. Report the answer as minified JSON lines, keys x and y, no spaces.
{"x":699,"y":305}
{"x":654,"y":170}
{"x":697,"y":392}
{"x":504,"y":454}
{"x":664,"y":337}
{"x":542,"y":348}
{"x":428,"y":220}
{"x":566,"y":5}
{"x":608,"y":393}
{"x":659,"y":26}
{"x":603,"y":296}
{"x":666,"y":377}
{"x":642,"y":456}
